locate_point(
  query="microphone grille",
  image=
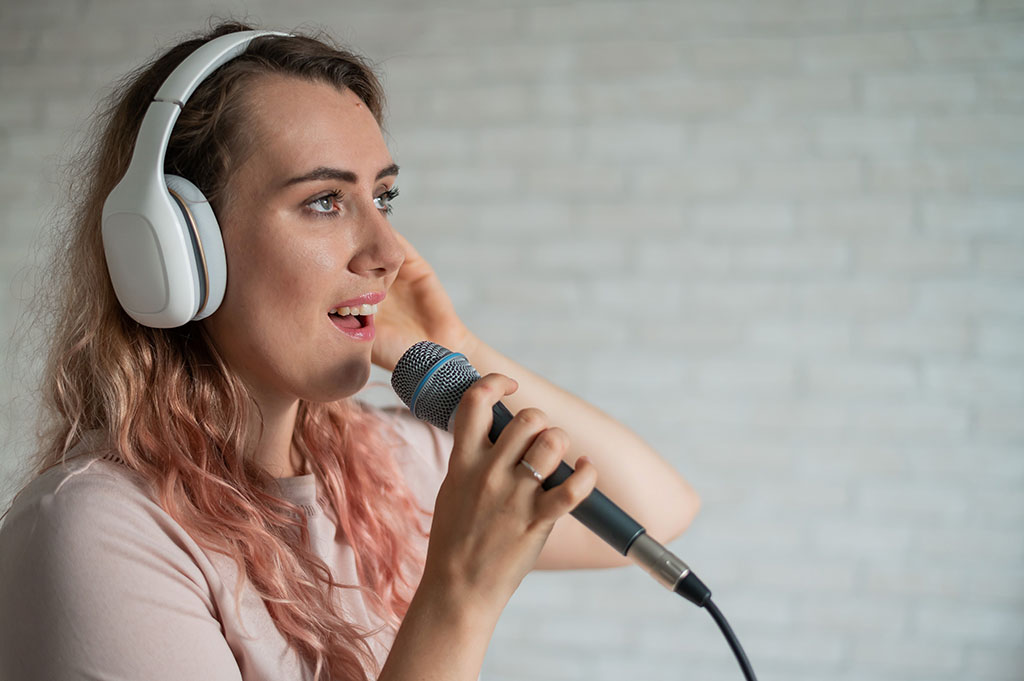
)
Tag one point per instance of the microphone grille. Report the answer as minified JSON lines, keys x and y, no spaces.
{"x":448,"y":375}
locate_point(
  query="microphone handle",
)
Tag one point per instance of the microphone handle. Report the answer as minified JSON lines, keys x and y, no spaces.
{"x":609,"y":522}
{"x":597,"y":512}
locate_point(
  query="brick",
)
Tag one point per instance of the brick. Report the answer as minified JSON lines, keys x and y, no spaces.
{"x":712,"y":418}
{"x":964,"y":44}
{"x":1000,"y":339}
{"x":750,"y":140}
{"x":1001,"y":259}
{"x":538,"y":217}
{"x":669,"y":97}
{"x":513,"y":63}
{"x":731,"y":377}
{"x":744,"y":55}
{"x":858,"y":380}
{"x":920,"y":92}
{"x":994,"y":662}
{"x":962,"y":623}
{"x":970,"y":299}
{"x":688,"y":336}
{"x":1001,"y":91}
{"x":866,"y":135}
{"x":806,"y":178}
{"x":736,"y":219}
{"x":687,"y":257}
{"x":751,"y":299}
{"x":880,"y":9}
{"x":471,"y":182}
{"x":798,"y":338}
{"x":703,"y":179}
{"x":575,"y":181}
{"x":777,"y":97}
{"x":864,"y":300}
{"x":615,"y":60}
{"x":954,"y":543}
{"x":976,"y":132}
{"x":796,"y":258}
{"x":975,"y":382}
{"x":534,"y":144}
{"x":439,"y":144}
{"x":567,"y":257}
{"x":486,"y":104}
{"x":872,"y":215}
{"x":619,"y":218}
{"x":917,"y":657}
{"x":633,"y":141}
{"x":856,"y":52}
{"x":1001,"y":423}
{"x":853,"y":617}
{"x":408,"y":76}
{"x":914,"y":338}
{"x":915,"y":421}
{"x":17,"y":43}
{"x":910,"y":501}
{"x":998,"y":177}
{"x":999,"y":218}
{"x":913,"y":257}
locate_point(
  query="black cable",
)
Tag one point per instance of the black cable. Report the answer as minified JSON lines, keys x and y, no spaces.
{"x":734,"y":643}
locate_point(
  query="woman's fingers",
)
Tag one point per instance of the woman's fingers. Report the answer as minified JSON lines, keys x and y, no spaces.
{"x":527,"y":438}
{"x":474,"y":415}
{"x":546,"y":451}
{"x":557,"y":501}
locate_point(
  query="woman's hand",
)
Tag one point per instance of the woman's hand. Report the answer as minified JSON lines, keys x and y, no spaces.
{"x":492,"y":517}
{"x":417,"y":308}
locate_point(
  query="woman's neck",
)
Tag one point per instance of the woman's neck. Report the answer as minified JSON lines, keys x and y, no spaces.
{"x":275,"y":452}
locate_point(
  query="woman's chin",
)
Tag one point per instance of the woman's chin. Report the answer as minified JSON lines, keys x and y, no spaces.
{"x":339,"y":384}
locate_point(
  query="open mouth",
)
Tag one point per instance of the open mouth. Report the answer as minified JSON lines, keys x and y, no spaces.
{"x":355,"y":317}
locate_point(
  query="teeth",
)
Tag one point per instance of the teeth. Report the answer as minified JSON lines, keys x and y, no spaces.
{"x":363,"y":310}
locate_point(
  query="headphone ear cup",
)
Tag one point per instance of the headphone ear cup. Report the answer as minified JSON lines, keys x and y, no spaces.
{"x":203,"y":232}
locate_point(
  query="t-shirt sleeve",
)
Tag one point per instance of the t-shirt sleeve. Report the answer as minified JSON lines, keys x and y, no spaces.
{"x":96,"y":583}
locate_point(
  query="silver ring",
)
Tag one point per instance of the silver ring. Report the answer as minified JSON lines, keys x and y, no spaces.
{"x":533,"y":471}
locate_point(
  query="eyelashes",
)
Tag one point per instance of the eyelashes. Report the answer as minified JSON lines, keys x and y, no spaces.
{"x":383,"y":202}
{"x":329,"y":204}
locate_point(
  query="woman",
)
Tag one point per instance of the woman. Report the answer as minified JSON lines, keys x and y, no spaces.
{"x":211,"y":503}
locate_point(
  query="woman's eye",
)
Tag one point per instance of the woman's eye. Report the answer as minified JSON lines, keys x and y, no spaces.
{"x":324,"y":204}
{"x":383,"y":202}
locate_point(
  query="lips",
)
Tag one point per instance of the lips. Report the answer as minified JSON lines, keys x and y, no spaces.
{"x":354,"y":317}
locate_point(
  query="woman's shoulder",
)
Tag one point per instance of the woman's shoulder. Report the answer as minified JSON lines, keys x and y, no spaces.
{"x":95,"y":575}
{"x":89,"y":483}
{"x":93,"y":508}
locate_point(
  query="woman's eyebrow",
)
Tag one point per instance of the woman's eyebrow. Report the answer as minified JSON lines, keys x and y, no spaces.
{"x":325,"y":173}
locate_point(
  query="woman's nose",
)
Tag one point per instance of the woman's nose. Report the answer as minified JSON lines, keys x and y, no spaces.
{"x":380,"y":251}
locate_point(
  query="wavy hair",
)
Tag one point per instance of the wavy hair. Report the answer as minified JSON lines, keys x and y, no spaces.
{"x":189,"y":438}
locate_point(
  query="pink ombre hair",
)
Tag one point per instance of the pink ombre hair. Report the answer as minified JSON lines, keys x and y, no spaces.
{"x":177,"y":415}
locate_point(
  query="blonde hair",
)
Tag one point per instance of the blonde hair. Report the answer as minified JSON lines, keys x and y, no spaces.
{"x":174,"y":411}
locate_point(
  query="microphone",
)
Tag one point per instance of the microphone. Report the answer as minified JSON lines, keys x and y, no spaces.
{"x":431,"y":380}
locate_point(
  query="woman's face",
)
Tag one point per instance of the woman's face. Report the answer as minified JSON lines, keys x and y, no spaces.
{"x":305,"y":232}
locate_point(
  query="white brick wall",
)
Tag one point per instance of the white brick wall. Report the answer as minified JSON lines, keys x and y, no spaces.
{"x":809,"y":220}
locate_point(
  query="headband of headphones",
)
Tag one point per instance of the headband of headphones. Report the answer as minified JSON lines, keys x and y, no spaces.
{"x":162,"y":243}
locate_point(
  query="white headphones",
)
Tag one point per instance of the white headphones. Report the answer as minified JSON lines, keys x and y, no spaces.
{"x":163,"y":246}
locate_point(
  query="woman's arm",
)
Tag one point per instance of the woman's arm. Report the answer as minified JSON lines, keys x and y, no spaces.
{"x":630,"y":473}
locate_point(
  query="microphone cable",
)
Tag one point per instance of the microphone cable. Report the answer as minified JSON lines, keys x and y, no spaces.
{"x":692,"y":589}
{"x":734,"y":643}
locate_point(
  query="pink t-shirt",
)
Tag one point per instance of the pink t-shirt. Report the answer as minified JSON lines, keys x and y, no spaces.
{"x":97,"y":582}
